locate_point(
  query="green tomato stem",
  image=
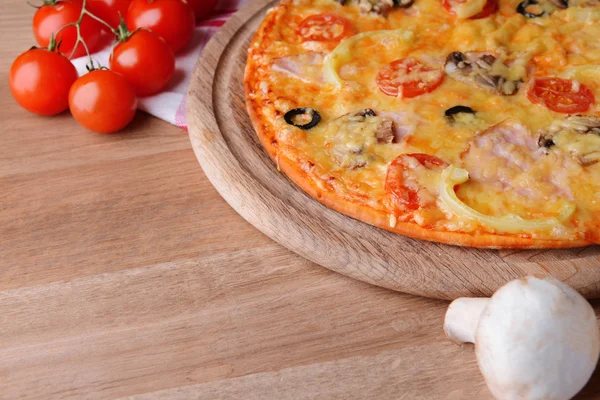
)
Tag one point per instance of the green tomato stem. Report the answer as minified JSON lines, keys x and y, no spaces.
{"x":77,"y":25}
{"x":103,"y":22}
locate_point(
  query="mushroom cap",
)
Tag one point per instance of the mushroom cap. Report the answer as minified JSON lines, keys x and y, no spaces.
{"x":537,"y":339}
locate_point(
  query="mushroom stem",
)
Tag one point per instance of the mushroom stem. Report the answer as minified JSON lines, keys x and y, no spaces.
{"x":462,"y":317}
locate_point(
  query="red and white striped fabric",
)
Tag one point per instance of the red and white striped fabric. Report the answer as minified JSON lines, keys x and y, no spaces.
{"x":169,"y":105}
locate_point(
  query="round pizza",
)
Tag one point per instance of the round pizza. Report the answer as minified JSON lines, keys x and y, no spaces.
{"x":467,"y":122}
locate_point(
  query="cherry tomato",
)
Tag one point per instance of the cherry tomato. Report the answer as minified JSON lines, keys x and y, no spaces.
{"x":561,"y":95}
{"x":40,"y":80}
{"x":202,"y":8}
{"x":102,"y":101}
{"x":109,"y":10}
{"x":145,"y":60}
{"x":408,"y":78}
{"x":172,"y":19}
{"x":401,"y":186}
{"x":326,"y":27}
{"x":490,"y":7}
{"x":49,"y":18}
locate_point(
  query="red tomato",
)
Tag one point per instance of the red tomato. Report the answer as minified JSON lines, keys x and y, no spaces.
{"x":49,"y":18}
{"x":490,"y":7}
{"x":102,"y":101}
{"x":401,"y":186}
{"x":109,"y":10}
{"x":560,"y":95}
{"x":202,"y":8}
{"x":408,"y":78}
{"x":326,"y":27}
{"x":145,"y":60}
{"x":40,"y":80}
{"x":172,"y":19}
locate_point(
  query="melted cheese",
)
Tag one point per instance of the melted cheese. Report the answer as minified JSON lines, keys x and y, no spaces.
{"x":584,"y":146}
{"x":590,"y":74}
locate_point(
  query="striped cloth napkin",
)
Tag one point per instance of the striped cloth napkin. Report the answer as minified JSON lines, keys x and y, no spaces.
{"x":169,"y":105}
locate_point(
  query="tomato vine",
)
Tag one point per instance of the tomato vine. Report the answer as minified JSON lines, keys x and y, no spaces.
{"x":77,"y":25}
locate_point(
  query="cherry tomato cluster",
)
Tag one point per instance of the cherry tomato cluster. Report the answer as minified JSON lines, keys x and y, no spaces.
{"x":148,"y":34}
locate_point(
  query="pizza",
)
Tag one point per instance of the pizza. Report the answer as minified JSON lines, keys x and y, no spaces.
{"x":466,"y":122}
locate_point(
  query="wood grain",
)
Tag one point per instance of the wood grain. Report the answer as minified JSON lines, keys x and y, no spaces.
{"x":123,"y":273}
{"x":232,"y":158}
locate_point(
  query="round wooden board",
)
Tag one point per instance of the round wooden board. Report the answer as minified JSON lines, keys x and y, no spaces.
{"x":232,"y":158}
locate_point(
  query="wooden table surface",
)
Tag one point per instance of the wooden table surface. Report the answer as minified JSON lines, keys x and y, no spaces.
{"x":123,"y":273}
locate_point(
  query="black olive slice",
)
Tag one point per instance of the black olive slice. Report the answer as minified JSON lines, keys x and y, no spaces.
{"x":522,"y":9}
{"x":403,"y":3}
{"x":314,"y":114}
{"x":561,"y":3}
{"x":451,"y":112}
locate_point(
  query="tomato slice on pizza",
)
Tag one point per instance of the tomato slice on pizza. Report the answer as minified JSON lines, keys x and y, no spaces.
{"x":561,"y":95}
{"x":408,"y":78}
{"x":402,"y":183}
{"x":325,"y":27}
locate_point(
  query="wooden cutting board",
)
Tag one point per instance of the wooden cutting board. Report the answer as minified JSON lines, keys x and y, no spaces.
{"x":232,"y":158}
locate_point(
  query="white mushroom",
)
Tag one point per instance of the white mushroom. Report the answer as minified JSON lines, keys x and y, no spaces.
{"x":535,"y":338}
